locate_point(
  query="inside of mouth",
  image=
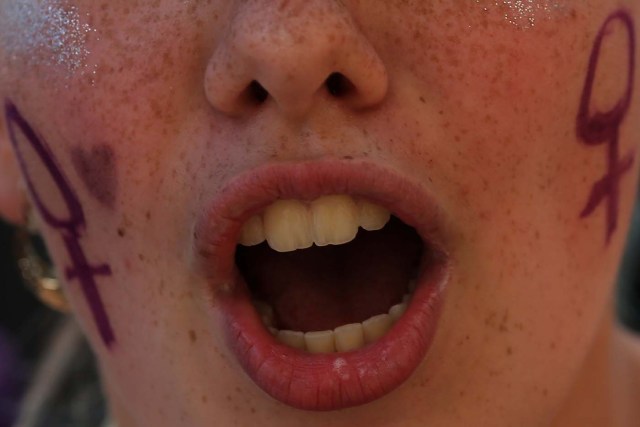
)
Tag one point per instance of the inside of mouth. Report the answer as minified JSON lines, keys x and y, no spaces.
{"x":322,"y":288}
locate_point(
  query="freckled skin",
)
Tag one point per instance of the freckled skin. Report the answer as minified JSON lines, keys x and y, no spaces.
{"x":479,"y":110}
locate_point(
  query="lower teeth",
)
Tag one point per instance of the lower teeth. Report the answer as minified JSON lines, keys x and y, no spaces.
{"x":343,"y":338}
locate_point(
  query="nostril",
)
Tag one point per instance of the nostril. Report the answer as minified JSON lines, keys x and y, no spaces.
{"x":338,"y":85}
{"x":257,"y":92}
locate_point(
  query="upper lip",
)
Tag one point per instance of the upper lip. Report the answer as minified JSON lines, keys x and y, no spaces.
{"x":217,"y":230}
{"x":215,"y":239}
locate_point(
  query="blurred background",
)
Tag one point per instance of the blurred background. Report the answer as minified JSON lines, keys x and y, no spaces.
{"x":70,"y":392}
{"x":72,"y":395}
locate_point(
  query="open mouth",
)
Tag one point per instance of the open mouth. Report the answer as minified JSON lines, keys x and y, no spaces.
{"x":328,"y":279}
{"x":330,"y":275}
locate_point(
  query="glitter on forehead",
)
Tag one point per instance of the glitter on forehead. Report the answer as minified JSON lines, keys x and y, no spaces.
{"x":50,"y":31}
{"x":524,"y":13}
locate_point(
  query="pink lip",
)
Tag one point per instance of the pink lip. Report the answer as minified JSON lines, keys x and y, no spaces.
{"x":326,"y":381}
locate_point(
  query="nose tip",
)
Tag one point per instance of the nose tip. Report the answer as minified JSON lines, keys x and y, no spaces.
{"x":293,"y":56}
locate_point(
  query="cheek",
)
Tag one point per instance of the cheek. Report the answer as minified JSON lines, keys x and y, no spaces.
{"x":63,"y":217}
{"x":507,"y":99}
{"x":122,"y":120}
{"x":499,"y":107}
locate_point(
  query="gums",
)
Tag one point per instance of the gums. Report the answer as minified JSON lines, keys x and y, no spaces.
{"x":70,"y":228}
{"x":604,"y":128}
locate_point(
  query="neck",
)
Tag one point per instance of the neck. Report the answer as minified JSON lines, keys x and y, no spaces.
{"x":626,"y":375}
{"x":120,"y":417}
{"x":603,"y":394}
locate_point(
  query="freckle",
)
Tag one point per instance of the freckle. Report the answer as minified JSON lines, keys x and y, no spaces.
{"x":253,"y":410}
{"x":141,"y":257}
{"x":509,"y":351}
{"x":192,"y":336}
{"x":204,"y":398}
{"x":148,"y":215}
{"x":229,"y":398}
{"x":121,"y":232}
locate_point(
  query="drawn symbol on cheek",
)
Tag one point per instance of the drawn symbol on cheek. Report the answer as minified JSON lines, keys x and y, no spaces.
{"x":97,"y":168}
{"x":604,"y":128}
{"x":70,"y":227}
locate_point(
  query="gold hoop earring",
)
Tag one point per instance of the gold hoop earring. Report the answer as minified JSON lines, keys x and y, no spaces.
{"x":37,"y":274}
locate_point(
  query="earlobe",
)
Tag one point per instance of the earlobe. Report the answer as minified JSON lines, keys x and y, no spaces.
{"x":13,"y":199}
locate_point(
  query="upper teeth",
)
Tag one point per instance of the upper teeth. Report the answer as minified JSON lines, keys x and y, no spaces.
{"x":288,"y":225}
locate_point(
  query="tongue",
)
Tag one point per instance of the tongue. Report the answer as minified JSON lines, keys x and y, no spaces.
{"x":321,"y":288}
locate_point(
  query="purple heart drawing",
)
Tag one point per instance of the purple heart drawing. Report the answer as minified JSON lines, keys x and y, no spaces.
{"x":97,"y":169}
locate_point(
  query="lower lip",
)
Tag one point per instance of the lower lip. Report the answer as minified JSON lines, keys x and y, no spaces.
{"x":333,"y":381}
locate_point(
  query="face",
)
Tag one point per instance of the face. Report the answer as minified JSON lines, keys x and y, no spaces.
{"x":152,"y":138}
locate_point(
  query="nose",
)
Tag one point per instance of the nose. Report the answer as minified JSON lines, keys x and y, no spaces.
{"x":292,"y":53}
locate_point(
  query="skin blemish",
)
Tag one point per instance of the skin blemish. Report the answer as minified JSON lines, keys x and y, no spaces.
{"x":97,"y":169}
{"x":604,"y":128}
{"x":70,"y":228}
